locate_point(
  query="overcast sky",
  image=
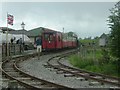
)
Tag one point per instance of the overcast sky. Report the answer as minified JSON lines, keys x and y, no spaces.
{"x":84,"y":18}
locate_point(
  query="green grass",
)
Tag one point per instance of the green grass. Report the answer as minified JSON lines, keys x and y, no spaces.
{"x":96,"y":64}
{"x":80,"y":63}
{"x":108,"y":69}
{"x":87,"y":41}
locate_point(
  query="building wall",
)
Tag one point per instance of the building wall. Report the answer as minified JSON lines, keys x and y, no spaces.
{"x":32,"y":39}
{"x":102,"y":42}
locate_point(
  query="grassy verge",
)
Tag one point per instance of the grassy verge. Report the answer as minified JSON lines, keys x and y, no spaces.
{"x":95,"y":62}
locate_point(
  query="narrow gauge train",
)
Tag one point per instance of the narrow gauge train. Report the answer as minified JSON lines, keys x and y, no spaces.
{"x":52,"y":40}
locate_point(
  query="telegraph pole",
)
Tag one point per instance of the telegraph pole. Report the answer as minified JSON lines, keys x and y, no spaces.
{"x":63,"y":29}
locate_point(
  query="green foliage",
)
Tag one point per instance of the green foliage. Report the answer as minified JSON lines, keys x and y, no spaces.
{"x":105,"y":56}
{"x":94,"y":68}
{"x":114,"y":23}
{"x":108,"y":67}
{"x":89,"y":41}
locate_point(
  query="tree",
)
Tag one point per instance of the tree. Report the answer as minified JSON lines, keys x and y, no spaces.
{"x":114,"y":23}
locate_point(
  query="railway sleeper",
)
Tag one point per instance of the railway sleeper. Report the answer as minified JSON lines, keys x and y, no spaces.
{"x":16,"y":75}
{"x":74,"y":71}
{"x":85,"y":74}
{"x":60,"y":72}
{"x":9,"y":62}
{"x":95,"y":83}
{"x":47,"y":66}
{"x":4,"y":80}
{"x":23,"y":78}
{"x":14,"y":85}
{"x":66,"y":69}
{"x":10,"y":84}
{"x":97,"y":77}
{"x":115,"y":81}
{"x":56,"y":58}
{"x":11,"y":70}
{"x":46,"y":87}
{"x":8,"y":65}
{"x":40,"y":85}
{"x":80,"y":78}
{"x":32,"y":82}
{"x":56,"y":66}
{"x":69,"y":75}
{"x":53,"y":69}
{"x":3,"y":75}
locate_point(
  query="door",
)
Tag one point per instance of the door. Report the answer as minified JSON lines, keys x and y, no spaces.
{"x":49,"y":41}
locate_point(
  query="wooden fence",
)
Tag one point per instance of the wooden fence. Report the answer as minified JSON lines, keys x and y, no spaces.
{"x":11,"y":49}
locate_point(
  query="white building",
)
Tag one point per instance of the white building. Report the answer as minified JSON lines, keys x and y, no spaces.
{"x":103,"y":41}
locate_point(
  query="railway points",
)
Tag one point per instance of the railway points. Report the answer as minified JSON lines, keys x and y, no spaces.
{"x":55,"y":75}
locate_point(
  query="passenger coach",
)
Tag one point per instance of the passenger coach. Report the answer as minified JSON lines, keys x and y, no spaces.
{"x":52,"y":39}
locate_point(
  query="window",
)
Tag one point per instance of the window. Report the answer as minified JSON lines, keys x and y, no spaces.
{"x":51,"y":37}
{"x":59,"y":39}
{"x":46,"y":37}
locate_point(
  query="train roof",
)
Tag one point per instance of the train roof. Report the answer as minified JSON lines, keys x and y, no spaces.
{"x":38,"y":31}
{"x":34,"y":32}
{"x":69,"y":34}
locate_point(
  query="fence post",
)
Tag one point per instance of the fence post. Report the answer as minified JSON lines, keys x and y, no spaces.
{"x":2,"y":51}
{"x":9,"y":49}
{"x":6,"y":49}
{"x":20,"y":48}
{"x":14,"y":48}
{"x":38,"y":53}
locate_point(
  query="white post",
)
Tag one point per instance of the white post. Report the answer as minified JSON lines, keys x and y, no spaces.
{"x":7,"y":45}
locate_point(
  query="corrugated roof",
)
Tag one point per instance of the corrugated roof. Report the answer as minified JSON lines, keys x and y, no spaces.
{"x":38,"y":31}
{"x":31,"y":33}
{"x":103,"y":35}
{"x":35,"y":32}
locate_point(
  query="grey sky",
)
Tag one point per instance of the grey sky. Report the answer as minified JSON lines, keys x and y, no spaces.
{"x":84,"y":18}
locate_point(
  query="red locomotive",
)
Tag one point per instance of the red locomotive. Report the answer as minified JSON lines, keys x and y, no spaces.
{"x":52,"y":39}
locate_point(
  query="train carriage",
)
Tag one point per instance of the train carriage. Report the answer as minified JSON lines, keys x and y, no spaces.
{"x":69,"y":40}
{"x":51,"y":40}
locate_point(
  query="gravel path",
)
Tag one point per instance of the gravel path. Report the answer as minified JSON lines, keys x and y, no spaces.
{"x":36,"y":68}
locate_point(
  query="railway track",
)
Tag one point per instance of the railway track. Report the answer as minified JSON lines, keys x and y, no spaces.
{"x":55,"y":62}
{"x":11,"y":70}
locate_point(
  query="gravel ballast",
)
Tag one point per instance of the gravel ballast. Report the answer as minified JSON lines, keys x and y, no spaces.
{"x":36,"y":68}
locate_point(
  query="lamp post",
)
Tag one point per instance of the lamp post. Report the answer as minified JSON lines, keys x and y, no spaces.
{"x":23,"y":26}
